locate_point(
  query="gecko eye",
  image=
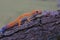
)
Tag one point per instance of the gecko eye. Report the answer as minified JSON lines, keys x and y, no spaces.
{"x":37,"y":11}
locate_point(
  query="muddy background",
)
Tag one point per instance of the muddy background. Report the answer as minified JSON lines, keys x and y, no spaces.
{"x":11,"y":9}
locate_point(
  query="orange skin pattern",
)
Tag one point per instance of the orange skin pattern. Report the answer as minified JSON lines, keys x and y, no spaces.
{"x":18,"y":20}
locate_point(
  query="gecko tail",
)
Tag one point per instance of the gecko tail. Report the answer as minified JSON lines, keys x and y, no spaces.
{"x":2,"y":30}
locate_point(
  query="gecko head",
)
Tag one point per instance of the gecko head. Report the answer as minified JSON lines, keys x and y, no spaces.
{"x":36,"y":12}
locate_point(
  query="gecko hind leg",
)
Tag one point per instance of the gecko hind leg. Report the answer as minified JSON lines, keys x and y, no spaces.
{"x":22,"y":21}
